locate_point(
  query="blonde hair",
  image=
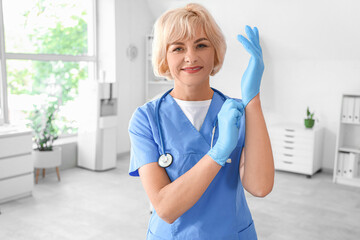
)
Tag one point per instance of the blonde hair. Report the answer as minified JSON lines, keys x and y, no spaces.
{"x":182,"y":24}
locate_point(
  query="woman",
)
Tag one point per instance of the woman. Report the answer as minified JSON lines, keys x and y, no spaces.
{"x":189,"y":147}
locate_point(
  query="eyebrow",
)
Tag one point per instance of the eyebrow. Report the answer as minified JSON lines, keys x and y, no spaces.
{"x":181,"y":43}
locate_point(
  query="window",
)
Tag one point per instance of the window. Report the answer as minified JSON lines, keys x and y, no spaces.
{"x":48,"y":48}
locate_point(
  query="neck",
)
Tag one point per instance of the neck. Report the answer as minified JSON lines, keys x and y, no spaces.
{"x":192,"y":93}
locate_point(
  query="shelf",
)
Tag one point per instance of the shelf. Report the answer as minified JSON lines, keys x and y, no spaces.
{"x":350,"y":149}
{"x":348,"y":140}
{"x":154,"y":85}
{"x":348,"y":181}
{"x":351,"y":123}
{"x":354,"y":94}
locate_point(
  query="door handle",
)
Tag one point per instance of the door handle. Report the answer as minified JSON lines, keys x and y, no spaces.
{"x":289,"y":130}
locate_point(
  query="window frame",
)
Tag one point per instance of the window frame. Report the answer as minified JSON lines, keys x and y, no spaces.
{"x":4,"y":118}
{"x":4,"y":56}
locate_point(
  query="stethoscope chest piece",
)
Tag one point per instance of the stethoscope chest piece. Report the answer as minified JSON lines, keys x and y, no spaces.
{"x":165,"y":160}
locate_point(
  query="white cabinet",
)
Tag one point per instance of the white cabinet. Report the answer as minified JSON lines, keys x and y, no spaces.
{"x":154,"y":86}
{"x":296,"y":148}
{"x":16,"y":165}
{"x":347,"y":154}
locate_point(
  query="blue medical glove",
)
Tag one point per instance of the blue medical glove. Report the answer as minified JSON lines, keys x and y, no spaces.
{"x":229,"y":119}
{"x":250,"y":82}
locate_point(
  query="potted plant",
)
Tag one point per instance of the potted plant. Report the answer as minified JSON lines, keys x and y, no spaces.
{"x":309,"y":121}
{"x":45,"y":131}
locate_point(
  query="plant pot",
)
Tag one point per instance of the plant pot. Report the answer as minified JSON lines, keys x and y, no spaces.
{"x":47,"y":159}
{"x":309,"y":123}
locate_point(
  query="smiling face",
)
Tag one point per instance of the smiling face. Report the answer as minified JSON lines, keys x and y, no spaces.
{"x":191,"y":61}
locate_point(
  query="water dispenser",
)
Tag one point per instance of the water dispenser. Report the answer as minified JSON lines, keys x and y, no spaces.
{"x":97,"y":135}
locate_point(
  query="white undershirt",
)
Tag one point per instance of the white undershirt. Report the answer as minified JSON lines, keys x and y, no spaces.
{"x":195,"y":111}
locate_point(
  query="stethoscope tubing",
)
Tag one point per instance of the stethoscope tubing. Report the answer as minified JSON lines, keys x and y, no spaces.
{"x":157,"y":118}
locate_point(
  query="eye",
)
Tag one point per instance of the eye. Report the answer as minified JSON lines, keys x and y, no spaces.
{"x":178,"y":49}
{"x":201,"y":45}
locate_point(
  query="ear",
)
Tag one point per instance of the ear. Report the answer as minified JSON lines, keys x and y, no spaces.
{"x":216,"y":65}
{"x":216,"y":62}
{"x":164,"y":67}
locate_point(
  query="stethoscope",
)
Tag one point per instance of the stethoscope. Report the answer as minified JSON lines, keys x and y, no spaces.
{"x":166,"y":159}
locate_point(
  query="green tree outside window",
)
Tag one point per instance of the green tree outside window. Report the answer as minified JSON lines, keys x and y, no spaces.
{"x":60,"y":76}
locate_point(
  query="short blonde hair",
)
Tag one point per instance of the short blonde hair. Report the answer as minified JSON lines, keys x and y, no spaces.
{"x":182,"y":24}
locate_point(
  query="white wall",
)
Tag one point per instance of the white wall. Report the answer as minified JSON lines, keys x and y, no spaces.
{"x":106,"y":40}
{"x":311,"y":51}
{"x":133,"y":22}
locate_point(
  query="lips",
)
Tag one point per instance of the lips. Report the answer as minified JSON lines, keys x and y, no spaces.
{"x":192,"y":69}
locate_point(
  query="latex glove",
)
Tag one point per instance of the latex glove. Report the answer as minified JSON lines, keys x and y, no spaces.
{"x":229,"y":119}
{"x":250,"y":82}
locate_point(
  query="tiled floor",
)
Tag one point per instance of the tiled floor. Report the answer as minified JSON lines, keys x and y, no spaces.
{"x":84,"y":205}
{"x":112,"y":205}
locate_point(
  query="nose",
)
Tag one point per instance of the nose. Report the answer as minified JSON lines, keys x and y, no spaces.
{"x":190,"y":56}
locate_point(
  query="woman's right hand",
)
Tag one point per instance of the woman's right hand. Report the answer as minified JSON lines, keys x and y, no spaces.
{"x":229,"y":123}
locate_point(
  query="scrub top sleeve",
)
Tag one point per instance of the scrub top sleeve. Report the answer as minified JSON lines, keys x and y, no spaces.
{"x":144,"y":149}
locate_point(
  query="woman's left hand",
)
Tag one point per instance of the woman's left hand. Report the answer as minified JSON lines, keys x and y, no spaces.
{"x":250,"y":82}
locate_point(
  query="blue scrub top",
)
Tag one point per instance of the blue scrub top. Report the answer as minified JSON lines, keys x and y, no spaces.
{"x":222,"y":211}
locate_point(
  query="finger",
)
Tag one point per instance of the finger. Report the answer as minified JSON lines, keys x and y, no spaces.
{"x":234,"y":115}
{"x":233,"y":101}
{"x":251,"y":35}
{"x":238,"y":105}
{"x":238,"y":122}
{"x":226,"y":106}
{"x":237,"y":118}
{"x":256,"y":31}
{"x":229,"y":105}
{"x":248,"y":46}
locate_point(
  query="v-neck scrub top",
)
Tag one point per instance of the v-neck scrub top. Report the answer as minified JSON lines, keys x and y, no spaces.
{"x":222,"y":211}
{"x":195,"y":111}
